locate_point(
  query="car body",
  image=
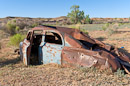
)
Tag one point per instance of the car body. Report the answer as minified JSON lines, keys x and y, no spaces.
{"x":70,"y":48}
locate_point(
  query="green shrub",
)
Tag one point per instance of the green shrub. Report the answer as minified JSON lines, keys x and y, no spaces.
{"x":111,"y":31}
{"x":119,"y":24}
{"x":88,"y":20}
{"x":104,"y":28}
{"x":34,"y":25}
{"x":16,"y":39}
{"x":107,"y":24}
{"x":22,"y":25}
{"x":14,"y":21}
{"x":76,"y":26}
{"x":17,"y":28}
{"x":10,"y":28}
{"x":0,"y":46}
{"x":120,"y":73}
{"x":85,"y":31}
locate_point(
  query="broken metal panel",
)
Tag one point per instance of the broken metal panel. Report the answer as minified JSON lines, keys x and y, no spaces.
{"x":76,"y":57}
{"x":77,"y":34}
{"x":123,"y":57}
{"x":72,"y":42}
{"x":86,"y":58}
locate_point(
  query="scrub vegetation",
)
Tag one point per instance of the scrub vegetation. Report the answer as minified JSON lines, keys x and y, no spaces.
{"x":16,"y":39}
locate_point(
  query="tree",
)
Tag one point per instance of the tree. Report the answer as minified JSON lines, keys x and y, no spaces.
{"x":76,"y":15}
{"x":87,"y":19}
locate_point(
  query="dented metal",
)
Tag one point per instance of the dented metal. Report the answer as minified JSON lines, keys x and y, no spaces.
{"x":70,"y":48}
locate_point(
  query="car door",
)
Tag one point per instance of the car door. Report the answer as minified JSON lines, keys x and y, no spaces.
{"x":26,"y":48}
{"x":52,"y":46}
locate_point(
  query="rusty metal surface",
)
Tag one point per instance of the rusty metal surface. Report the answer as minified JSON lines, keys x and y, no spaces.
{"x":77,"y":50}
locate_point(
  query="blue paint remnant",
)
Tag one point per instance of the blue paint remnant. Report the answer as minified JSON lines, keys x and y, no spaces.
{"x":122,"y":47}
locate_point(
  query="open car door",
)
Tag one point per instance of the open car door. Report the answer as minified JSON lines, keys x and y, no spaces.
{"x":26,"y":48}
{"x":52,"y":47}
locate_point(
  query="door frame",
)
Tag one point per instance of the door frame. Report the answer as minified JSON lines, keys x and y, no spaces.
{"x":26,"y":48}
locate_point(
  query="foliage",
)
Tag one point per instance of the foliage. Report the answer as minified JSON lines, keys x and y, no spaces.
{"x":111,"y":31}
{"x":22,"y":25}
{"x":88,"y":20}
{"x":16,"y":39}
{"x":76,"y":15}
{"x":121,"y":19}
{"x":11,"y":27}
{"x":119,"y":73}
{"x":105,"y":26}
{"x":85,"y":31}
{"x":77,"y":26}
{"x":119,"y":24}
{"x":14,"y":21}
{"x":0,"y":45}
{"x":34,"y":25}
{"x":17,"y":28}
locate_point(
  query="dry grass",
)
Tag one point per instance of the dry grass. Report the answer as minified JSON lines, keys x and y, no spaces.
{"x":119,"y":39}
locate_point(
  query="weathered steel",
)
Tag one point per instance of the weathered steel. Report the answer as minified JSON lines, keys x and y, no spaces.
{"x":70,"y":48}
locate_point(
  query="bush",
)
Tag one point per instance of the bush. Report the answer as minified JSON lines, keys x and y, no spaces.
{"x":107,"y":24}
{"x":10,"y":28}
{"x":111,"y":31}
{"x":104,"y":28}
{"x":0,"y":46}
{"x":88,"y":20}
{"x":16,"y":39}
{"x":76,"y":26}
{"x":119,"y":24}
{"x":17,"y":28}
{"x":34,"y":25}
{"x":22,"y":25}
{"x":85,"y":31}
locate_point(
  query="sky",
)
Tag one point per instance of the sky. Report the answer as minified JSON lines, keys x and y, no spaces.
{"x":57,"y":8}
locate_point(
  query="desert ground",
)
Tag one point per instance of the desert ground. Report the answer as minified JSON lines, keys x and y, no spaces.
{"x":14,"y":73}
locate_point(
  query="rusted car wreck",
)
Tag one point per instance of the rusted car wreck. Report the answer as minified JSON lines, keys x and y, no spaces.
{"x":70,"y":48}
